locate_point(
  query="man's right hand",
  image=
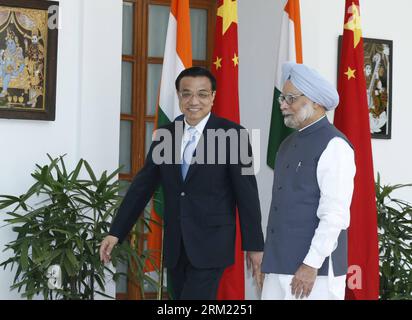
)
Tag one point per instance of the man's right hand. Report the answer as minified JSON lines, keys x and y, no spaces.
{"x":254,"y":261}
{"x":106,"y":248}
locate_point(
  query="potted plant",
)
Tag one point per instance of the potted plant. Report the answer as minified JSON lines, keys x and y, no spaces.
{"x":60,"y":222}
{"x":395,"y":242}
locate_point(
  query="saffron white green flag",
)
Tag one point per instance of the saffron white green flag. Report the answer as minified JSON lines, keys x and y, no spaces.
{"x":177,"y":57}
{"x":290,"y":49}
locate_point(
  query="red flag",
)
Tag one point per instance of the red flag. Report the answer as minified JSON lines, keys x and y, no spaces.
{"x":352,"y":118}
{"x":226,"y":104}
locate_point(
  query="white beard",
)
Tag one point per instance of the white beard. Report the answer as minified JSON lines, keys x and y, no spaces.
{"x":294,"y":121}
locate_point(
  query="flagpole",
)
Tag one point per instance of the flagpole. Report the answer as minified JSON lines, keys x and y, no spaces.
{"x":160,"y":286}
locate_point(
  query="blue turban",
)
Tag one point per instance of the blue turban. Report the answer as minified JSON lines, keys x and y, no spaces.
{"x":311,"y":84}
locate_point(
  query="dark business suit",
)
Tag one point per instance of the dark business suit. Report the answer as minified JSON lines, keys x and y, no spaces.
{"x":200,"y":211}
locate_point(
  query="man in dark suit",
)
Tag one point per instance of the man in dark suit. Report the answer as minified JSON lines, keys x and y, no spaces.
{"x":202,"y":186}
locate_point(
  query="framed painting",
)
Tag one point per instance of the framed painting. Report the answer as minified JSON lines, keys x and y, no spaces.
{"x":28,"y":59}
{"x":378,"y":75}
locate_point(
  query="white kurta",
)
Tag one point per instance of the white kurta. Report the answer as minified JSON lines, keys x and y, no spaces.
{"x":335,"y":173}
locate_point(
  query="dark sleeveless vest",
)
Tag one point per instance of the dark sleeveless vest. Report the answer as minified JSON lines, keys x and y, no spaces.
{"x":295,"y":200}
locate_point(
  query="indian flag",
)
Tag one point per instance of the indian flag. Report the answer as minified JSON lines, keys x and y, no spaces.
{"x":177,"y":57}
{"x":290,"y":49}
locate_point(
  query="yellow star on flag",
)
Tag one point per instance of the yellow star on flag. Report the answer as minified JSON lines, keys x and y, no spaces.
{"x":235,"y":60}
{"x":354,"y":24}
{"x":228,"y":12}
{"x":218,"y":63}
{"x":350,"y":73}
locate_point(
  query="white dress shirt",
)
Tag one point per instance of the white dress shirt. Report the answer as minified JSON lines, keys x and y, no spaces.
{"x":198,"y":133}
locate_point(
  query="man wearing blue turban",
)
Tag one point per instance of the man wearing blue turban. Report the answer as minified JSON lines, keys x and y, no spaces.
{"x":305,"y":255}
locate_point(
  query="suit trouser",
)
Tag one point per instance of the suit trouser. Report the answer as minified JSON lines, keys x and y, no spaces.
{"x":191,"y":283}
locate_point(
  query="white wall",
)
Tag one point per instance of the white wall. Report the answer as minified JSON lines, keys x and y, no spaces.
{"x":87,"y":108}
{"x":322,"y":23}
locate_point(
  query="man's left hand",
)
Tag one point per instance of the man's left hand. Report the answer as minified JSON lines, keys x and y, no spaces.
{"x":303,"y":281}
{"x":254,"y":259}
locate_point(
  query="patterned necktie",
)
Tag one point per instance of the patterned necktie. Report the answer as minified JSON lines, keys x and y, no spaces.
{"x":188,"y":151}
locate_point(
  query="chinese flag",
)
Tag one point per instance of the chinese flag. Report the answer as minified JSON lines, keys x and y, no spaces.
{"x":352,"y":118}
{"x":225,"y":68}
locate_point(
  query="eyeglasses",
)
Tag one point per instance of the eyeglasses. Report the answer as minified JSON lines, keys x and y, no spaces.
{"x":289,"y":98}
{"x":201,"y":95}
